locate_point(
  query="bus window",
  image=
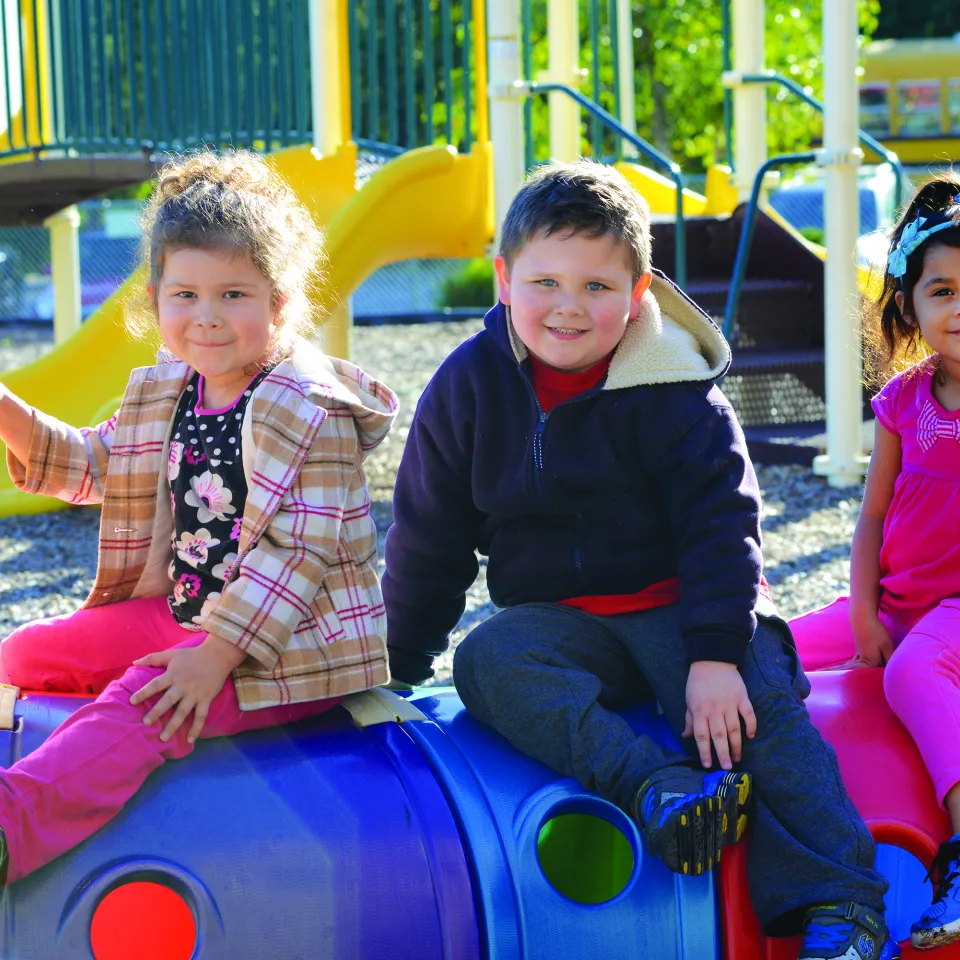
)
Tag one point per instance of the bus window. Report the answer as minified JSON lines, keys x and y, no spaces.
{"x":918,"y":108}
{"x":953,"y":104}
{"x":875,"y":108}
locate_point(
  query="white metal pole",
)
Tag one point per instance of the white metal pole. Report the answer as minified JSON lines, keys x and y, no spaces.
{"x":563,"y":35}
{"x":843,"y":464}
{"x":506,"y":108}
{"x":627,"y":84}
{"x":64,"y":230}
{"x":749,"y":100}
{"x":325,"y":75}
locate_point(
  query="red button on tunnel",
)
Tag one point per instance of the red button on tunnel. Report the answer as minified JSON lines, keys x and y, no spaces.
{"x":144,"y":920}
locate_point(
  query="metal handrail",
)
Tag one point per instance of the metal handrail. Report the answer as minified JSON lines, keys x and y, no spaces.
{"x":641,"y":145}
{"x":746,"y":233}
{"x":889,"y":156}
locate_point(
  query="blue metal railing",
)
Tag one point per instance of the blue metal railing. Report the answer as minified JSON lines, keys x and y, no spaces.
{"x":750,"y":216}
{"x":109,"y":76}
{"x":746,"y":234}
{"x":888,"y":155}
{"x":641,"y":145}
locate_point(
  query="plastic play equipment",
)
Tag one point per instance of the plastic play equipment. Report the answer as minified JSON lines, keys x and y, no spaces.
{"x":427,"y":839}
{"x":406,"y":829}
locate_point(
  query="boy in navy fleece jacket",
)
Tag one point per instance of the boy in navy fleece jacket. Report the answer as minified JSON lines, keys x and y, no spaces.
{"x":580,"y":444}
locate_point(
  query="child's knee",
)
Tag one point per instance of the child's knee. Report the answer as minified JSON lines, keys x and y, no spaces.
{"x":483,"y":667}
{"x":914,"y":663}
{"x":136,"y":677}
{"x":18,"y":657}
{"x":772,"y":666}
{"x":470,"y":660}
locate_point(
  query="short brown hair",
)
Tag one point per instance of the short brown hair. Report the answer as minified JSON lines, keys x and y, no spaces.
{"x":582,"y":197}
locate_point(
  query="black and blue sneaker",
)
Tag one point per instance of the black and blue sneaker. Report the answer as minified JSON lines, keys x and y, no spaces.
{"x":940,"y":922}
{"x":688,"y":815}
{"x":846,"y":931}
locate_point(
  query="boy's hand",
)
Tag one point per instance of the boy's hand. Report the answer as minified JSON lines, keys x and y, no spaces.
{"x":716,"y":700}
{"x":194,"y":676}
{"x":874,"y":643}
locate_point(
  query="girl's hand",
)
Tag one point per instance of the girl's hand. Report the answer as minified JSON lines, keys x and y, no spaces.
{"x":874,"y":644}
{"x":716,"y":700}
{"x":194,"y":676}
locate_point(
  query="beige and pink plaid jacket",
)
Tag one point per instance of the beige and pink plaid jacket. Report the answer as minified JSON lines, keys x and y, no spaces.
{"x":303,"y":599}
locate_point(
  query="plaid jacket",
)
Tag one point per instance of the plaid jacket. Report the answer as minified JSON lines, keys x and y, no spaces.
{"x":303,"y":599}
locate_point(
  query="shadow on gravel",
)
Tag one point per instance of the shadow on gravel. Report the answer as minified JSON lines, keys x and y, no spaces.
{"x":778,"y":572}
{"x":70,"y":585}
{"x":799,"y":493}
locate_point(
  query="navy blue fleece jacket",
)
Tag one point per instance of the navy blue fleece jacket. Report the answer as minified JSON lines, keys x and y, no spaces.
{"x":643,"y":478}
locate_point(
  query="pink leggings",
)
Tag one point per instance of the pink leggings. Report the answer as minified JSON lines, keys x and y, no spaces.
{"x":921,"y":681}
{"x":96,"y":760}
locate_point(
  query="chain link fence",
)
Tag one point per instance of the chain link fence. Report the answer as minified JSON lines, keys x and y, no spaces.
{"x":108,"y":253}
{"x":410,"y":290}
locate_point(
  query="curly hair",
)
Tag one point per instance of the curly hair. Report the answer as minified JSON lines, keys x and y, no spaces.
{"x":237,"y":203}
{"x":891,"y":338}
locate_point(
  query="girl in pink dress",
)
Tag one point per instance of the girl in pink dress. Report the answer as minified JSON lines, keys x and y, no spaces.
{"x":903,"y":612}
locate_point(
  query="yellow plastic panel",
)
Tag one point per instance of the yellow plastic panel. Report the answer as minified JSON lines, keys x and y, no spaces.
{"x":660,"y":192}
{"x":721,"y":193}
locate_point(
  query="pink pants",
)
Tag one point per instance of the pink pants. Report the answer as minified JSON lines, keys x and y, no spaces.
{"x":921,"y":681}
{"x":97,"y":759}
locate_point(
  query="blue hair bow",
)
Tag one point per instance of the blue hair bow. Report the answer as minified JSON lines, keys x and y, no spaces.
{"x":913,"y":234}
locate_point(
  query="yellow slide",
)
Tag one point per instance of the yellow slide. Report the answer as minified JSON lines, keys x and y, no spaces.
{"x":430,"y":202}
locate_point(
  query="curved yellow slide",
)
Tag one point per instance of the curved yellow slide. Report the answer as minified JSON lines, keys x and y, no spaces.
{"x":430,"y":202}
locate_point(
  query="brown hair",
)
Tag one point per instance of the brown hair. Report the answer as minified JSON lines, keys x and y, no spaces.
{"x":237,"y":203}
{"x":582,"y":197}
{"x":892,"y":340}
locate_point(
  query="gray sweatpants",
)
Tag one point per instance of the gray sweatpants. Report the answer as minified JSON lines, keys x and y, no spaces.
{"x":550,"y":678}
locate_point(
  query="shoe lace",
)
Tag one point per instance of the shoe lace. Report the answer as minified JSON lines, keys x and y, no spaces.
{"x":822,"y":936}
{"x":944,"y":870}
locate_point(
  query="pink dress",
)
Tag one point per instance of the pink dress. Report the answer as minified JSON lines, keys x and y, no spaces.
{"x":920,"y":558}
{"x":919,"y":576}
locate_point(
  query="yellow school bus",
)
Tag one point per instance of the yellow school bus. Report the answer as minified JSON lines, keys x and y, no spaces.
{"x":910,"y":97}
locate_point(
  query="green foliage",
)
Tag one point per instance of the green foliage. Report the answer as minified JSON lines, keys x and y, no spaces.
{"x":813,"y":234}
{"x":139,"y":191}
{"x":471,"y":286}
{"x":678,"y":58}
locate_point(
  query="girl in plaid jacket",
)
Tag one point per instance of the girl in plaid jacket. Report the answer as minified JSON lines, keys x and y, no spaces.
{"x":236,"y":582}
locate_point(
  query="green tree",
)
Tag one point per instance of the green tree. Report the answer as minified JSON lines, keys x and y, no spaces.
{"x":678,"y":56}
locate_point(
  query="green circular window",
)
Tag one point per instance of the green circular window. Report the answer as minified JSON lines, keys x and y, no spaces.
{"x":585,"y":858}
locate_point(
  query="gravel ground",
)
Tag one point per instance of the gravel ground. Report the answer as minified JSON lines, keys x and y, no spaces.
{"x":47,"y":561}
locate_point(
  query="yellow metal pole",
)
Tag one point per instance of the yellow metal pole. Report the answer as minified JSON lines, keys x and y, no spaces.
{"x":37,"y":111}
{"x":64,"y":230}
{"x":346,"y":115}
{"x":480,"y":69}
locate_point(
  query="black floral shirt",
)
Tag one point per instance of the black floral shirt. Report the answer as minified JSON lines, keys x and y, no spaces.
{"x":208,"y":490}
